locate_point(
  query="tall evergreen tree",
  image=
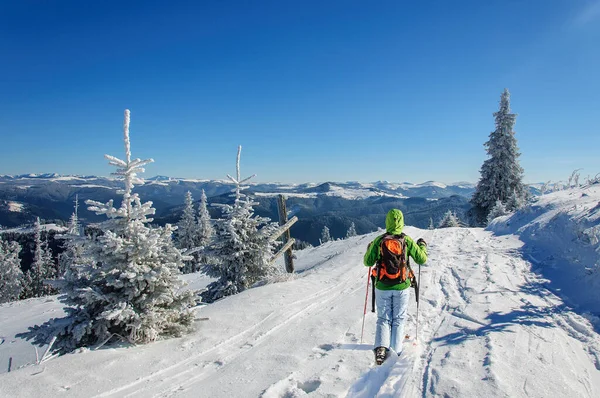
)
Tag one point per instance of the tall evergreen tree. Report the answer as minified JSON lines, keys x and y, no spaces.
{"x":205,"y":226}
{"x":11,"y":277}
{"x":130,"y":285}
{"x":42,"y":269}
{"x":187,"y":228}
{"x":501,"y":174}
{"x":242,"y":248}
{"x":351,"y":231}
{"x":73,"y":245}
{"x":187,"y":233}
{"x":205,"y":232}
{"x":325,"y":235}
{"x":74,"y":228}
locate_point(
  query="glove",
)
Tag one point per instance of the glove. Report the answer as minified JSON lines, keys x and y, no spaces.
{"x":421,"y":242}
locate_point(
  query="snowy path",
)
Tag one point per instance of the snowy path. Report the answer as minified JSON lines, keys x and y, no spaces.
{"x":488,"y":328}
{"x":491,"y":329}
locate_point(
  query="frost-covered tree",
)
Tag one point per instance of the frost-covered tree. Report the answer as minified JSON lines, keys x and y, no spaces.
{"x":351,"y":231}
{"x":73,"y":245}
{"x":130,"y":285}
{"x":241,"y":251}
{"x":74,"y":228}
{"x":205,"y":232}
{"x":501,"y":174}
{"x":515,"y":202}
{"x":574,"y":178}
{"x":187,"y":232}
{"x":301,"y":245}
{"x":325,"y":235}
{"x":431,"y":226}
{"x":594,"y":180}
{"x":42,"y":269}
{"x":497,"y":211}
{"x":187,"y":228}
{"x":449,"y":220}
{"x":205,"y":226}
{"x":11,"y":277}
{"x":545,"y":187}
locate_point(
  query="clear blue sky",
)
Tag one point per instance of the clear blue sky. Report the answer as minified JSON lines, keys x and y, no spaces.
{"x":313,"y":90}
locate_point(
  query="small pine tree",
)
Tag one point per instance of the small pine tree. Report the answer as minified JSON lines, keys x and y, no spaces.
{"x":325,"y":236}
{"x":301,"y":245}
{"x":187,"y":228}
{"x":204,"y":233}
{"x":431,"y":226}
{"x":501,"y":174}
{"x":73,"y":246}
{"x":351,"y":231}
{"x":545,"y":188}
{"x":240,"y":254}
{"x":574,"y":179}
{"x":11,"y":277}
{"x":187,"y":232}
{"x":515,"y":202}
{"x":498,"y":210}
{"x":74,"y":228}
{"x":42,"y":269}
{"x":449,"y":220}
{"x":130,"y":286}
{"x":205,"y":227}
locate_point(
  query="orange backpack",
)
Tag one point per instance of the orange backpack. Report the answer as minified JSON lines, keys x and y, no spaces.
{"x":393,"y":265}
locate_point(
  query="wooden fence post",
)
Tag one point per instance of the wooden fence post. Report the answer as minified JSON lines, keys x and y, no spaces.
{"x":289,"y":260}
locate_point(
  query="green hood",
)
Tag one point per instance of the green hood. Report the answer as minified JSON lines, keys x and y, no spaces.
{"x":394,"y":222}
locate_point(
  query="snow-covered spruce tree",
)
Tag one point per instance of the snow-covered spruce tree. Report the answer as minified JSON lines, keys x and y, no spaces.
{"x":205,"y":231}
{"x":205,"y":226}
{"x":497,"y":211}
{"x":130,"y":287}
{"x":42,"y":269}
{"x":187,"y":227}
{"x":187,"y":231}
{"x":431,"y":226}
{"x":73,"y":245}
{"x":11,"y":277}
{"x":241,"y":251}
{"x":325,"y":235}
{"x":501,"y":174}
{"x":351,"y":231}
{"x":449,"y":220}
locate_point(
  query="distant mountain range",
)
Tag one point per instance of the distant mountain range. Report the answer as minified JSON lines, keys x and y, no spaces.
{"x":51,"y":197}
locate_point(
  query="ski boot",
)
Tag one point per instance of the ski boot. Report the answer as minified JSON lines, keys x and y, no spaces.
{"x":381,"y":354}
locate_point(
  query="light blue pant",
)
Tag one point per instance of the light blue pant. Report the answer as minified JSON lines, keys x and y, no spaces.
{"x":392,"y":308}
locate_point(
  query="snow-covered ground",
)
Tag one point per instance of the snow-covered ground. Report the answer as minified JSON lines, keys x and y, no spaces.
{"x":29,"y":230}
{"x":16,"y":207}
{"x":491,"y":324}
{"x":561,"y":236}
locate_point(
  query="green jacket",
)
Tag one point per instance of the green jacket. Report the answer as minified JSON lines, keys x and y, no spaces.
{"x":394,"y":224}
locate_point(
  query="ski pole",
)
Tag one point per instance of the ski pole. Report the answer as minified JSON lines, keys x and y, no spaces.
{"x":365,"y":310}
{"x":417,"y":292}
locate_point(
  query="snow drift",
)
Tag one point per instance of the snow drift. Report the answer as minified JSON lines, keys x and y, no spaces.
{"x":561,"y":236}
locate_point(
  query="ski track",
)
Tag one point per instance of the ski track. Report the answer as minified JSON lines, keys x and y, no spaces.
{"x":470,"y":257}
{"x":182,"y":375}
